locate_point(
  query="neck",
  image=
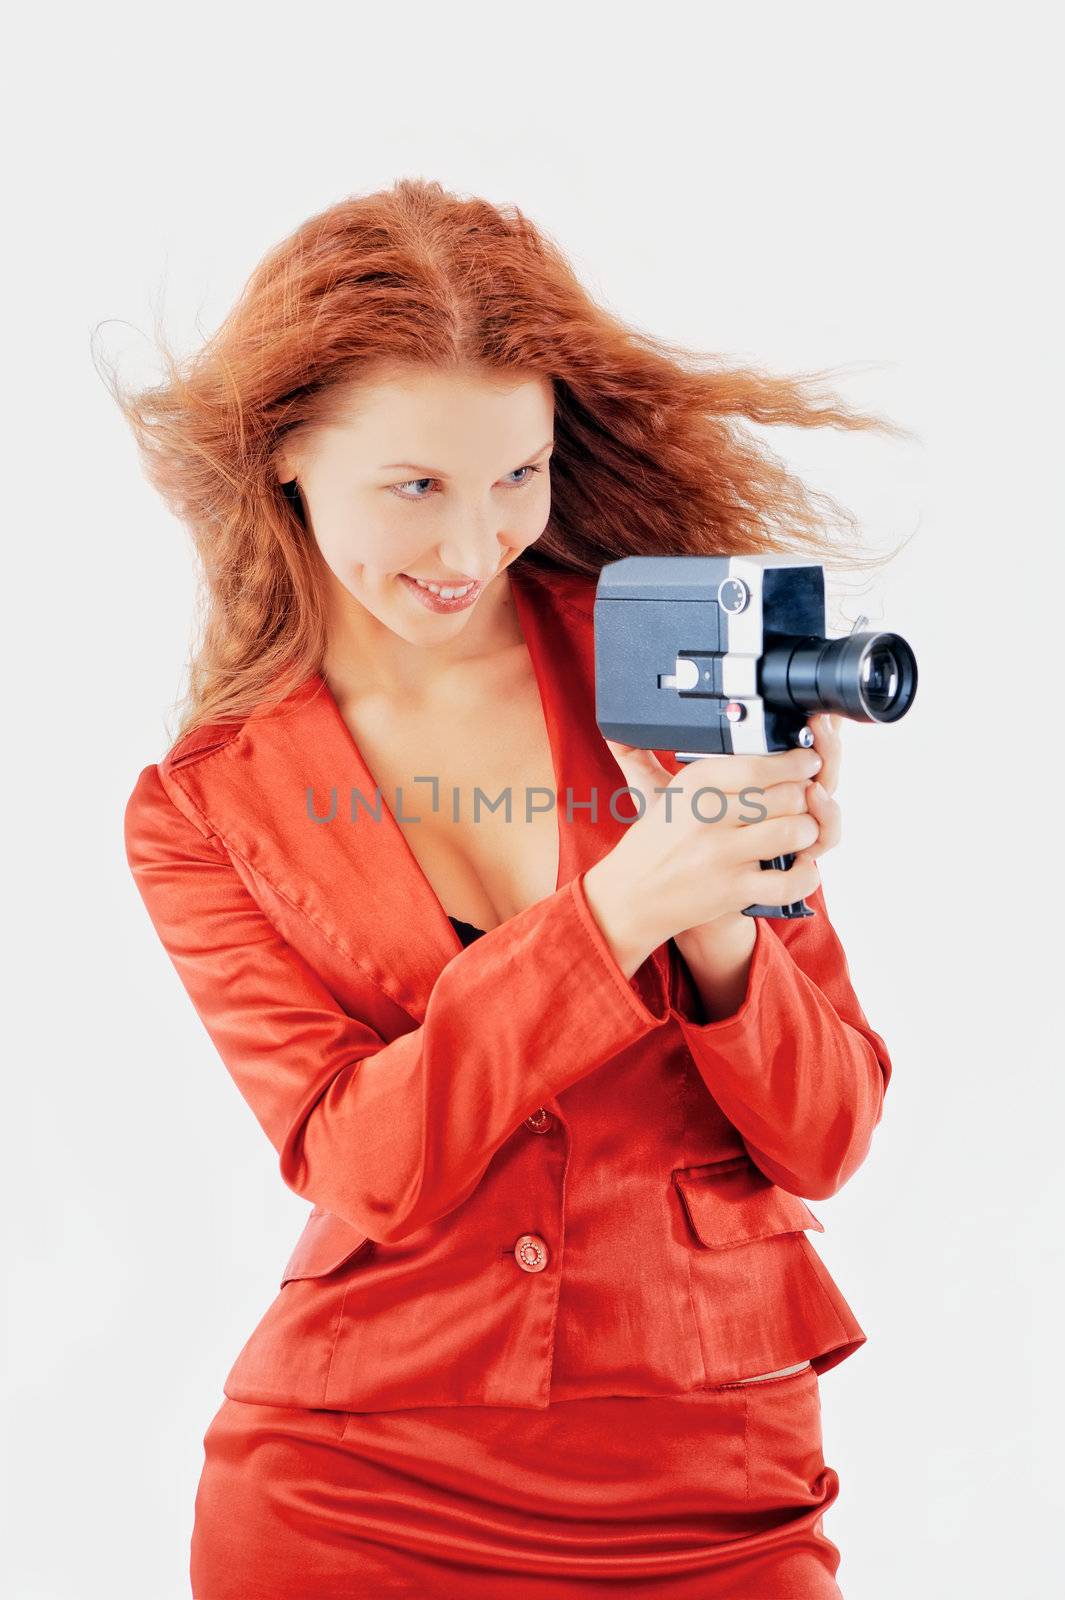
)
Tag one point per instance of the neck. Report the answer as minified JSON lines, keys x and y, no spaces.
{"x":365,"y":656}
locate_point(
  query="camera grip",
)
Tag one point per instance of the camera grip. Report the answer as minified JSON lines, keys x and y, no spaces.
{"x":797,"y":908}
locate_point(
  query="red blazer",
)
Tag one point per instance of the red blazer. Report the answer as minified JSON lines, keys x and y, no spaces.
{"x":532,"y":1178}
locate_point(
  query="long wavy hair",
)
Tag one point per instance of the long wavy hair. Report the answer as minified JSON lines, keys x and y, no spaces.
{"x":651,"y":455}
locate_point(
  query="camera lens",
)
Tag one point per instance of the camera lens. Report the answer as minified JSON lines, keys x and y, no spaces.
{"x":880,"y":676}
{"x":869,"y":677}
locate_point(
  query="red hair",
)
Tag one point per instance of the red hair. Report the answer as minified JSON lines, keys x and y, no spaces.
{"x":649,"y":457}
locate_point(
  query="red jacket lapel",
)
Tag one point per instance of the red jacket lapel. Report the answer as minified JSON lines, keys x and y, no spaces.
{"x":359,"y":880}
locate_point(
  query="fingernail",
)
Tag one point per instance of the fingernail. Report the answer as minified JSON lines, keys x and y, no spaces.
{"x":819,"y":787}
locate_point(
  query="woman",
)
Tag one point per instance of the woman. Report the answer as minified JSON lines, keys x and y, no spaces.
{"x":554,"y":1319}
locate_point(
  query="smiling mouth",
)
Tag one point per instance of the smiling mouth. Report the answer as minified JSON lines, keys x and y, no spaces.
{"x":449,"y":591}
{"x":443,"y":597}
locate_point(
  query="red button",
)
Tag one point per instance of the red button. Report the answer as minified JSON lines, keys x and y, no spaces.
{"x":541,"y":1121}
{"x":530,"y":1252}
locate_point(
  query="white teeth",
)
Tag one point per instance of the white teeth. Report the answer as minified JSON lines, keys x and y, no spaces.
{"x":445,"y":594}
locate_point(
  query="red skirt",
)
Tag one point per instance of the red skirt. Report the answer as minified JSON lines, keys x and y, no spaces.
{"x":719,"y":1494}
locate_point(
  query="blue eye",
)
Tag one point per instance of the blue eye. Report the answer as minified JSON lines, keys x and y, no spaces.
{"x":397,"y":488}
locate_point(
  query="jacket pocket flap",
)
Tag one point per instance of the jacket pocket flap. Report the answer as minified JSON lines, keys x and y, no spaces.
{"x":732,"y":1202}
{"x":325,"y":1244}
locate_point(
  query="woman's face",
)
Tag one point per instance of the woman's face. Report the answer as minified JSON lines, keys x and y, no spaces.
{"x":442,"y":476}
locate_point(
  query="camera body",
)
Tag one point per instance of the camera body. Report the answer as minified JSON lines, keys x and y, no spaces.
{"x":727,"y":655}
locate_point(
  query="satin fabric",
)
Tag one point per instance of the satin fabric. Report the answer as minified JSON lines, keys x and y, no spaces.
{"x":422,"y":1409}
{"x":720,"y":1494}
{"x":442,"y":1105}
{"x":468,"y":933}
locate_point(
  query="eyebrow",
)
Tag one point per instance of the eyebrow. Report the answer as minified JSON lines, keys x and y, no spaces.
{"x":431,"y":472}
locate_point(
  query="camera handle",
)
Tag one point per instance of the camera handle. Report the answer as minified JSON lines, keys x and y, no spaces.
{"x":797,"y":908}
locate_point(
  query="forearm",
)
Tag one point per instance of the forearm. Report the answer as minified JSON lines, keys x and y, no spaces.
{"x":795,"y":1065}
{"x":718,"y":957}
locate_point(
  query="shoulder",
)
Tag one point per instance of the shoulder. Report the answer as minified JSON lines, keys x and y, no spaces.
{"x":156,"y":792}
{"x":159,"y":800}
{"x":210,"y":770}
{"x":200,"y":742}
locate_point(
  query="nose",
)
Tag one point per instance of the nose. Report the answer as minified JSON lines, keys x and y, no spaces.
{"x":475,"y":554}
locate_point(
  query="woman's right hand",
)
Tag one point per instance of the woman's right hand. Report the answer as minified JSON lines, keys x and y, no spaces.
{"x":674,"y":868}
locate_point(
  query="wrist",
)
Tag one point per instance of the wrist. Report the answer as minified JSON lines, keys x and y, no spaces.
{"x":611,"y":905}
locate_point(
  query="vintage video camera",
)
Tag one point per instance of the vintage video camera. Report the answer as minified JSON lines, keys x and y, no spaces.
{"x":726,"y":655}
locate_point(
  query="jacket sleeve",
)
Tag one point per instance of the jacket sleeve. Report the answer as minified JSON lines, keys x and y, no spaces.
{"x":388,"y":1135}
{"x":797,"y":1069}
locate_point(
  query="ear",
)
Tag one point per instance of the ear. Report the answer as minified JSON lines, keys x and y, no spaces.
{"x":285,"y":466}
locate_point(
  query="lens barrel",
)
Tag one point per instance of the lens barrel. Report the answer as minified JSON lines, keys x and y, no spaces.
{"x":869,"y":677}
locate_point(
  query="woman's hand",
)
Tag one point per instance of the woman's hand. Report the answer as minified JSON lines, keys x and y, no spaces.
{"x":718,"y":946}
{"x":679,"y":876}
{"x":828,"y":743}
{"x":690,"y":857}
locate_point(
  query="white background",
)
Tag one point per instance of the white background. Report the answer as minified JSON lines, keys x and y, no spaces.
{"x":799,"y":186}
